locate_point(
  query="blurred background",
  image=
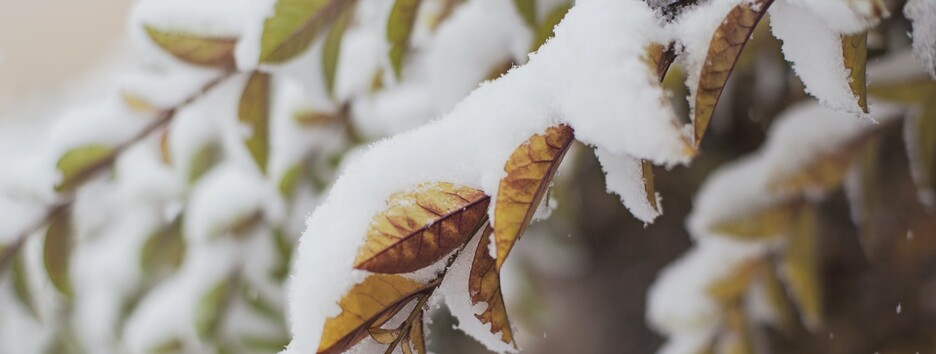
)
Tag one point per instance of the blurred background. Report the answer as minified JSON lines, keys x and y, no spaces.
{"x":578,"y":282}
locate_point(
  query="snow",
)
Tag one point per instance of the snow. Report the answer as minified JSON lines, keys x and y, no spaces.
{"x":815,"y":52}
{"x":923,"y":15}
{"x":601,"y":88}
{"x":624,"y":177}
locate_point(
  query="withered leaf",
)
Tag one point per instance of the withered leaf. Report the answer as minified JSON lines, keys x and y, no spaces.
{"x":399,"y":28}
{"x":767,"y":222}
{"x":724,"y":49}
{"x":855,"y":55}
{"x":421,"y":226}
{"x":76,"y":165}
{"x":416,"y":338}
{"x":57,"y":252}
{"x":383,"y":335}
{"x":254,"y":111}
{"x":659,"y":58}
{"x":195,"y":49}
{"x":801,"y":267}
{"x":529,"y":169}
{"x":332,"y":47}
{"x":367,"y":305}
{"x":484,"y":287}
{"x":649,"y":188}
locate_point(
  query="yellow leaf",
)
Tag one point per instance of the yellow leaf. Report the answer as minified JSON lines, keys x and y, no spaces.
{"x":725,"y":48}
{"x":911,"y":92}
{"x":399,"y":28}
{"x":416,"y":338}
{"x":383,"y":335}
{"x":367,"y":305}
{"x":826,"y":170}
{"x":777,"y":299}
{"x":57,"y":252}
{"x":732,"y":287}
{"x":527,"y":11}
{"x":529,"y":170}
{"x":332,"y":47}
{"x":293,"y":26}
{"x":421,"y":226}
{"x":78,"y":165}
{"x":736,"y":339}
{"x":855,"y":54}
{"x":659,"y":58}
{"x":484,"y":286}
{"x":771,"y":221}
{"x":194,"y":49}
{"x":254,"y":111}
{"x":801,"y":268}
{"x":545,"y":29}
{"x":868,"y":174}
{"x":165,"y":155}
{"x":163,"y":251}
{"x":137,"y":103}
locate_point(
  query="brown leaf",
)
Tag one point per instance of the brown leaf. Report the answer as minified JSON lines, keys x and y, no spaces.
{"x":195,"y":49}
{"x":383,"y":335}
{"x":254,"y":111}
{"x":725,"y":48}
{"x":649,"y":188}
{"x":529,"y":170}
{"x":367,"y":305}
{"x":659,"y":58}
{"x":855,"y":54}
{"x":416,"y":338}
{"x":421,"y":226}
{"x":484,"y":286}
{"x":801,"y":268}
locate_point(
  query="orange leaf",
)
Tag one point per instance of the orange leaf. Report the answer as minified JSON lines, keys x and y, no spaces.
{"x":367,"y":305}
{"x":529,"y":171}
{"x":422,"y":226}
{"x":484,"y":286}
{"x":725,"y":49}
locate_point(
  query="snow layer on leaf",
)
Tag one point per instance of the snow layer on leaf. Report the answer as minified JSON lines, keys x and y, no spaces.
{"x":841,"y":16}
{"x":601,"y":87}
{"x":624,"y":177}
{"x":815,"y":52}
{"x":224,"y":197}
{"x":923,"y":15}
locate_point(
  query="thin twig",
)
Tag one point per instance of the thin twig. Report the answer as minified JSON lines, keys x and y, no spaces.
{"x":66,"y":200}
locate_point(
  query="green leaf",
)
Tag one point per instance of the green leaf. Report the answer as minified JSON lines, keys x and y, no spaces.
{"x":284,"y":250}
{"x":170,"y":346}
{"x":75,"y":166}
{"x":21,"y":287}
{"x":258,"y":304}
{"x":194,"y":49}
{"x":399,"y":28}
{"x":293,"y":26}
{"x":332,"y":47}
{"x":203,"y":160}
{"x":290,"y":179}
{"x":527,"y":10}
{"x":211,"y":308}
{"x":265,"y":344}
{"x":545,"y":29}
{"x":254,"y":111}
{"x":163,"y":251}
{"x":57,"y":252}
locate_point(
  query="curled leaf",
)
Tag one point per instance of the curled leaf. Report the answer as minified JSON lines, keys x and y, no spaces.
{"x":529,"y":169}
{"x":855,"y":54}
{"x":77,"y":164}
{"x":367,"y":305}
{"x":293,"y":26}
{"x":421,"y":226}
{"x":194,"y":49}
{"x":484,"y":286}
{"x":801,"y":268}
{"x":724,"y":50}
{"x":332,"y":47}
{"x":399,"y":29}
{"x":57,"y":252}
{"x":254,"y":111}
